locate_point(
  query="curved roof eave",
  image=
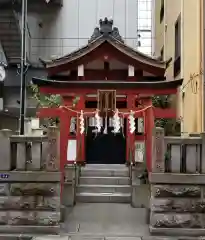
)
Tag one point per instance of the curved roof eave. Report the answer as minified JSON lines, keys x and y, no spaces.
{"x":137,"y":54}
{"x":116,"y":84}
{"x":123,"y":48}
{"x":77,"y":54}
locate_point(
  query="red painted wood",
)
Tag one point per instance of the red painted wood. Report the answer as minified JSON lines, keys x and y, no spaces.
{"x":149,"y":126}
{"x":130,"y":137}
{"x":82,"y":78}
{"x":74,"y":92}
{"x":67,"y":101}
{"x":64,"y":136}
{"x":95,"y":74}
{"x":80,"y":137}
{"x":139,"y":137}
{"x":105,"y":49}
{"x":94,"y":99}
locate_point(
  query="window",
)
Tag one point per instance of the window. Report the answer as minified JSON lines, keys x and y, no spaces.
{"x":144,"y":26}
{"x":177,"y":54}
{"x":162,"y":54}
{"x":162,"y":11}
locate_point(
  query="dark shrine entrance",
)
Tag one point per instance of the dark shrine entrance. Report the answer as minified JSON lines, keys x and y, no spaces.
{"x":105,"y":147}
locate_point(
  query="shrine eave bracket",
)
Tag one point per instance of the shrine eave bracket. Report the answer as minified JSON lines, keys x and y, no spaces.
{"x":107,"y":84}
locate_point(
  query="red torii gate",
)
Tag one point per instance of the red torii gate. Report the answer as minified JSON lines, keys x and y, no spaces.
{"x":106,"y":63}
{"x":65,"y":113}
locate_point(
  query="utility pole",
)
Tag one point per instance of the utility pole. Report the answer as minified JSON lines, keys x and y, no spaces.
{"x":23,"y":66}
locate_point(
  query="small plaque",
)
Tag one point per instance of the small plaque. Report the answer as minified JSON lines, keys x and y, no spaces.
{"x":4,"y":176}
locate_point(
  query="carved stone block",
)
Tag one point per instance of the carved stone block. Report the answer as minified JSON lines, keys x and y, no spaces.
{"x":158,"y":163}
{"x":53,"y":150}
{"x":70,"y":173}
{"x":4,"y":189}
{"x":21,"y":218}
{"x":177,"y":205}
{"x":48,"y":203}
{"x":175,"y":191}
{"x":68,"y":196}
{"x":17,"y":203}
{"x":5,"y":150}
{"x":33,"y":189}
{"x":45,"y":149}
{"x":3,"y":218}
{"x":48,"y":218}
{"x":177,"y":220}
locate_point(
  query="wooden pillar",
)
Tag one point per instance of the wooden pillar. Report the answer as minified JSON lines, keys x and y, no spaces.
{"x":149,"y":127}
{"x":65,"y":128}
{"x":64,"y":136}
{"x":130,"y":137}
{"x":80,"y":137}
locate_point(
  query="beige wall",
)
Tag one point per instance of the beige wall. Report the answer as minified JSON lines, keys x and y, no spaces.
{"x":158,"y":29}
{"x":190,"y":106}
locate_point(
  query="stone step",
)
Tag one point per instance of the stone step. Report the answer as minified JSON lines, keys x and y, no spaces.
{"x":88,"y":237}
{"x":103,"y":197}
{"x":105,"y":166}
{"x":98,"y":237}
{"x":77,"y":237}
{"x":105,"y":172}
{"x":104,"y":181}
{"x":104,"y":188}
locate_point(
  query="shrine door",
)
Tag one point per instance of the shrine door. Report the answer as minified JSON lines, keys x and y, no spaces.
{"x":105,"y":147}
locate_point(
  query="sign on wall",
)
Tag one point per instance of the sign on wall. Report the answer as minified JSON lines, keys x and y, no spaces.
{"x":2,"y":78}
{"x":139,"y":151}
{"x":72,"y":150}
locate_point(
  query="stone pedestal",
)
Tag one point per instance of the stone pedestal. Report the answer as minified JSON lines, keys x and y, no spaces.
{"x":140,"y":190}
{"x":53,"y":150}
{"x":70,"y":183}
{"x":5,"y":150}
{"x":140,"y":195}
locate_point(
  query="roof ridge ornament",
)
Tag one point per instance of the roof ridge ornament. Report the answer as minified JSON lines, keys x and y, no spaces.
{"x":106,"y":30}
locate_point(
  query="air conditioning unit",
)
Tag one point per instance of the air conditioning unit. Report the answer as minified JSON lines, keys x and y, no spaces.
{"x":54,"y":57}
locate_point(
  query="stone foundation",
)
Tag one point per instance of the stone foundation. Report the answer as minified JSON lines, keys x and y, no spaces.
{"x":30,"y":207}
{"x":177,"y":206}
{"x":30,"y":184}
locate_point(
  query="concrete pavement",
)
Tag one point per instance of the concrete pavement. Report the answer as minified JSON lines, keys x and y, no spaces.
{"x":106,"y":219}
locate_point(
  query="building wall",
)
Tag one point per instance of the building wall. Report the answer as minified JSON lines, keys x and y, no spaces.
{"x":189,"y":100}
{"x":2,"y":55}
{"x":192,"y":65}
{"x":71,"y":27}
{"x":158,"y":29}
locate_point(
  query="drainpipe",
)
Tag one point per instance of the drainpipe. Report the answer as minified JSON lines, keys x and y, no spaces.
{"x":181,"y":94}
{"x":165,"y":31}
{"x":23,"y":67}
{"x":202,"y":65}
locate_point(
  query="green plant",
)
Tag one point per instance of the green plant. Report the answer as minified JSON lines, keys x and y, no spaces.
{"x":171,"y":126}
{"x":51,"y":101}
{"x":44,"y":100}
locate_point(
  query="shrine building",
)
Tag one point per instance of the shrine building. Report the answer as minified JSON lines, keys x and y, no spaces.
{"x":114,"y":85}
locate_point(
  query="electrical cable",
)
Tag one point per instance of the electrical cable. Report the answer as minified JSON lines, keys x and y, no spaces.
{"x":190,"y":81}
